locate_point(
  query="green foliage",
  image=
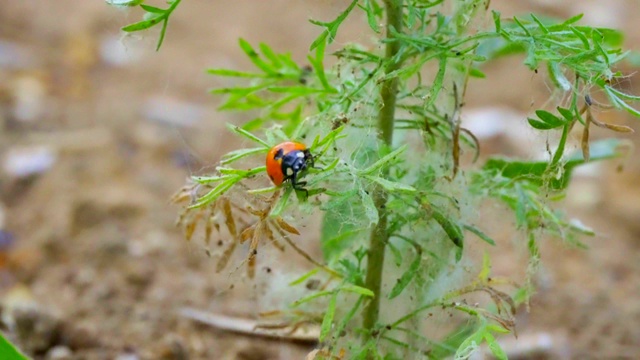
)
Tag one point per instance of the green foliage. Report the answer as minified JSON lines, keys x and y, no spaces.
{"x":152,"y":16}
{"x":8,"y":351}
{"x":387,"y":140}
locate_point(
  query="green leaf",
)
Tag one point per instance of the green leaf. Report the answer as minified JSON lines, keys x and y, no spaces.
{"x":9,"y":351}
{"x":535,"y":171}
{"x":328,"y":139}
{"x":358,"y":290}
{"x":384,"y":161}
{"x":255,"y":57}
{"x":550,"y":119}
{"x":242,"y":132}
{"x":537,"y":124}
{"x":476,"y":73}
{"x":572,"y":20}
{"x":215,"y":193}
{"x":486,"y":268}
{"x":524,"y":28}
{"x":566,"y":113}
{"x":480,"y":234}
{"x":447,"y":347}
{"x":331,"y":28}
{"x":406,"y":277}
{"x":234,"y":73}
{"x":437,"y":84}
{"x":272,"y":56}
{"x":163,"y":31}
{"x":342,"y":325}
{"x":152,"y":9}
{"x":327,"y":320}
{"x":313,"y":296}
{"x":241,"y":172}
{"x":209,"y":179}
{"x":373,"y":12}
{"x":495,"y":348}
{"x":621,"y":104}
{"x":370,"y":210}
{"x":557,"y":76}
{"x":531,"y":60}
{"x":279,"y":207}
{"x":125,"y":2}
{"x":496,"y":20}
{"x":522,"y":205}
{"x":450,"y":227}
{"x":142,"y":25}
{"x":304,"y":277}
{"x":391,"y":186}
{"x":621,"y":94}
{"x":540,"y":24}
{"x":585,"y":42}
{"x":470,"y":345}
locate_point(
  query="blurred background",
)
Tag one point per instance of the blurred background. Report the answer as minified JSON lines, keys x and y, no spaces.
{"x":97,"y":131}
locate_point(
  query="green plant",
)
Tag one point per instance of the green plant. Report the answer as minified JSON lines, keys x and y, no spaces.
{"x":8,"y":350}
{"x":397,"y":204}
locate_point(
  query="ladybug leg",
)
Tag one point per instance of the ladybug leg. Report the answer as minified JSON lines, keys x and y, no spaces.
{"x":298,"y":185}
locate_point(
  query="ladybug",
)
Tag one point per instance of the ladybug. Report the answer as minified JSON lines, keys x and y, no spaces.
{"x":288,"y":161}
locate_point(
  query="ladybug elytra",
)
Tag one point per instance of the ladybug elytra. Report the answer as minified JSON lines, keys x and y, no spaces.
{"x":288,"y":161}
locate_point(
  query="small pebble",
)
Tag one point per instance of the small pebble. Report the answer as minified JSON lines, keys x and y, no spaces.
{"x":28,"y":161}
{"x":59,"y":352}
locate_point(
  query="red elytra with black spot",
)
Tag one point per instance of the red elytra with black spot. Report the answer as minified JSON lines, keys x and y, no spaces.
{"x":286,"y":161}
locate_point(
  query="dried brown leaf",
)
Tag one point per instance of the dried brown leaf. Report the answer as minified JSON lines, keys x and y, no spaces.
{"x":585,"y":138}
{"x":612,"y":127}
{"x":226,"y":256}
{"x":229,"y":221}
{"x":247,"y":234}
{"x":272,"y":238}
{"x":286,"y":226}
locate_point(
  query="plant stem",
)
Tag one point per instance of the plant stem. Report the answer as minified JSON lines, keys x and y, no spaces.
{"x":379,"y":235}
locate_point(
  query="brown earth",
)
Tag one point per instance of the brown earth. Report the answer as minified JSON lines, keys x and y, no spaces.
{"x":97,"y":261}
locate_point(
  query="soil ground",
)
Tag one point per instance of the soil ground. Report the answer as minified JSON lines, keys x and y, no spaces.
{"x":90,"y":243}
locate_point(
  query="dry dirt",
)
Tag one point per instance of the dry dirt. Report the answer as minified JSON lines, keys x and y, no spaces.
{"x":90,"y":245}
